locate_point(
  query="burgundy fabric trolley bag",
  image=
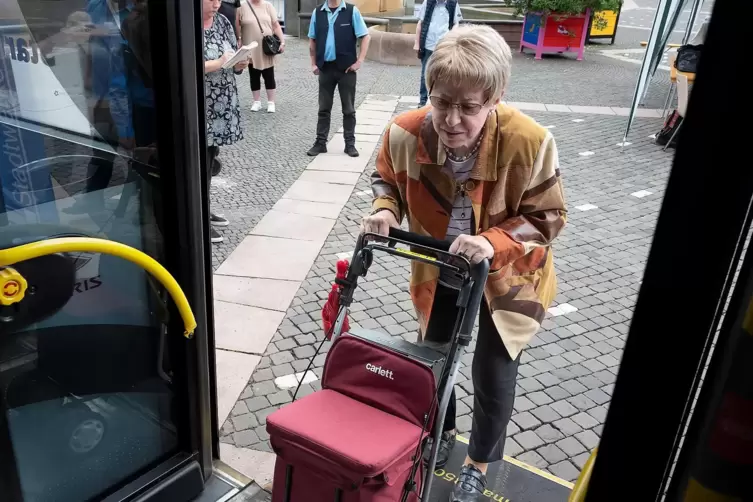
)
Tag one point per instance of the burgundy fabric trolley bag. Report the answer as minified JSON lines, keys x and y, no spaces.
{"x":359,"y":438}
{"x":359,"y":433}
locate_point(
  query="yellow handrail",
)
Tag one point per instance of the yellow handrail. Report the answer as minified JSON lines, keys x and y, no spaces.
{"x":581,"y":484}
{"x":89,"y":245}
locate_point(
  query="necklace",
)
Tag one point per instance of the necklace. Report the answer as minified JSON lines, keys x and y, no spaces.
{"x":463,"y":158}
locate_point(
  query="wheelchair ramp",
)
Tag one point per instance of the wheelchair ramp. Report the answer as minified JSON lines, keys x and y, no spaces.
{"x":508,"y":481}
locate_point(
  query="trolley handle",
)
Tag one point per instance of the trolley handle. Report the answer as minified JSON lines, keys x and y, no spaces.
{"x":479,"y":273}
{"x":419,"y":240}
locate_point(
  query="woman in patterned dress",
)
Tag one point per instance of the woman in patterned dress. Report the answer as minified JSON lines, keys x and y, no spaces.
{"x":221,"y":93}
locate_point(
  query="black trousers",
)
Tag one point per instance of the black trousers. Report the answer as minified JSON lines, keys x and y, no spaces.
{"x":269,"y":78}
{"x":330,"y":77}
{"x":100,"y":168}
{"x":212,"y":153}
{"x":493,"y":372}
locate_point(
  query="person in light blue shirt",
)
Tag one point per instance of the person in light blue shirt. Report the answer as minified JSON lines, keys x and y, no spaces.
{"x":434,"y":20}
{"x":334,"y":32}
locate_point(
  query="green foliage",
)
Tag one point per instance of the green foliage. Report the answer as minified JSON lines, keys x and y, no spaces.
{"x":562,"y":6}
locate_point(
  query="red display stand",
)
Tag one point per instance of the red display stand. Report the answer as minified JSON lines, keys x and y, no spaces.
{"x":555,"y":33}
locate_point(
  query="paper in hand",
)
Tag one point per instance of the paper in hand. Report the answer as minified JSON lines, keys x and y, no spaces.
{"x":241,"y":55}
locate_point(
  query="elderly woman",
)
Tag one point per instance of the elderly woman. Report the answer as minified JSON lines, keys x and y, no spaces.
{"x":258,"y":18}
{"x":221,"y":93}
{"x":484,"y":175}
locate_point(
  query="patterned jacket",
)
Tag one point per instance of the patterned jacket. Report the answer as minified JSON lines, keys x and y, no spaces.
{"x":518,"y":205}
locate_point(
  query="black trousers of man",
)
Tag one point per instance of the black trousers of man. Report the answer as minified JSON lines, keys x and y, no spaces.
{"x":331,"y":77}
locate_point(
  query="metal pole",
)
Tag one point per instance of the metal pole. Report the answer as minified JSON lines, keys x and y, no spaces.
{"x":443,"y":405}
{"x":694,"y":11}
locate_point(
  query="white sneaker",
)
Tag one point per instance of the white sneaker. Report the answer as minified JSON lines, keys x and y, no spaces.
{"x":256,"y":106}
{"x":271,"y":107}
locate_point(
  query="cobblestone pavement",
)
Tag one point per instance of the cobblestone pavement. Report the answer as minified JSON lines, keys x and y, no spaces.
{"x":259,"y":169}
{"x":567,"y":372}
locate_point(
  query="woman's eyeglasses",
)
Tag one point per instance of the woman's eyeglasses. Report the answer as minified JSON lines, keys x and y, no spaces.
{"x":442,"y":104}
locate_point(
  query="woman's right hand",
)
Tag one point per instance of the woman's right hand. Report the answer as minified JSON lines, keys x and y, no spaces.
{"x":379,"y":223}
{"x":225,"y":57}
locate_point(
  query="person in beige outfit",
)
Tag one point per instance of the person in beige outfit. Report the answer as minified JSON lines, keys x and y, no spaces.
{"x":253,"y":29}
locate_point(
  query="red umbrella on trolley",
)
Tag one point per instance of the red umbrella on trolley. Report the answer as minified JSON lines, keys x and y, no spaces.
{"x":332,"y":306}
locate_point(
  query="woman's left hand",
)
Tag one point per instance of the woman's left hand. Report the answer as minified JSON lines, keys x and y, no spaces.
{"x":282,"y":47}
{"x":241,"y":66}
{"x":473,"y":247}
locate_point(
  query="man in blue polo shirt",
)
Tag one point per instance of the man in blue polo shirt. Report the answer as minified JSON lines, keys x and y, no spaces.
{"x":435,"y":18}
{"x":334,"y":32}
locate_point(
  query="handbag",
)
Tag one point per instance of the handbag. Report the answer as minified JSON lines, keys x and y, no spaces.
{"x":270,"y":44}
{"x":687,"y":58}
{"x":668,"y":133}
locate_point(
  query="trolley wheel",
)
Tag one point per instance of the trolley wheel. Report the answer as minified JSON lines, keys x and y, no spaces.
{"x":81,"y":430}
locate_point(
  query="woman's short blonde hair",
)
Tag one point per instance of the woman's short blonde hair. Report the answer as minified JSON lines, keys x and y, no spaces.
{"x":471,"y":56}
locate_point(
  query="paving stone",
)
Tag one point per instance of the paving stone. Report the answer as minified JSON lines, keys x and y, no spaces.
{"x":574,"y":387}
{"x":512,"y":428}
{"x":548,"y":379}
{"x":597,"y":396}
{"x":563,"y":408}
{"x":584,"y":420}
{"x":526,"y":420}
{"x":548,"y":433}
{"x":523,"y":403}
{"x":567,"y":427}
{"x":580,"y":460}
{"x":262,"y":415}
{"x":530,"y":384}
{"x":590,"y":381}
{"x":263,"y":375}
{"x":512,"y":448}
{"x":245,"y":438}
{"x":588,"y":438}
{"x":305,"y":339}
{"x":528,"y":440}
{"x":304,"y":352}
{"x":582,"y":402}
{"x":557,"y":393}
{"x":545,"y":413}
{"x":565,"y":470}
{"x":243,"y":422}
{"x":464,"y":423}
{"x":551,"y":453}
{"x":286,"y":344}
{"x":599,"y":413}
{"x":539,"y":398}
{"x":570,"y":446}
{"x":534,"y":459}
{"x":461,"y":408}
{"x":261,"y":389}
{"x":280,"y":397}
{"x":282,"y":370}
{"x":227,"y":428}
{"x":239,"y":409}
{"x":262,"y":433}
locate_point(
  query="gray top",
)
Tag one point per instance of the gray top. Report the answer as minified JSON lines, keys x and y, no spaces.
{"x":461,"y":219}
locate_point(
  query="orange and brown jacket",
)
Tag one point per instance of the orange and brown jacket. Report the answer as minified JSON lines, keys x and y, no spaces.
{"x":518,"y":205}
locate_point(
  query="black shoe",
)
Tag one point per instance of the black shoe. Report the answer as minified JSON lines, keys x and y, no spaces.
{"x":218,"y":221}
{"x":214,"y":236}
{"x":317,"y":149}
{"x":470,"y":485}
{"x":446,"y":444}
{"x":351,"y":150}
{"x":216,"y":167}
